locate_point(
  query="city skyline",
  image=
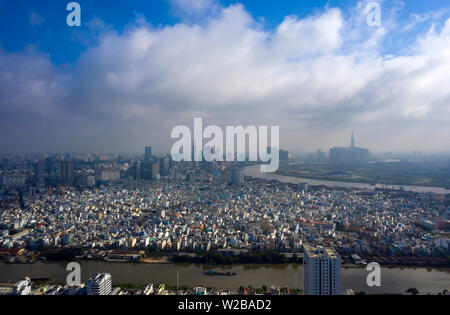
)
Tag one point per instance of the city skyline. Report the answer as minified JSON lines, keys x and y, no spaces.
{"x":127,"y":76}
{"x":299,"y":152}
{"x":221,"y":152}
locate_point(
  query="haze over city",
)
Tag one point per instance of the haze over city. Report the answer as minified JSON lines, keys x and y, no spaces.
{"x":318,"y":72}
{"x":225,"y":154}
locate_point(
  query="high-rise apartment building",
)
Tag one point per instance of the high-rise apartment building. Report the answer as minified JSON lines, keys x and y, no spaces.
{"x":100,"y":284}
{"x":137,"y":170}
{"x":322,"y":271}
{"x":66,"y":172}
{"x":284,"y":156}
{"x":148,"y":154}
{"x":164,"y":166}
{"x":149,"y":170}
{"x":39,"y":172}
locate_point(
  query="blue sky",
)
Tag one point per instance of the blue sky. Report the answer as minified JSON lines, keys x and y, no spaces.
{"x":41,"y":23}
{"x":136,"y":69}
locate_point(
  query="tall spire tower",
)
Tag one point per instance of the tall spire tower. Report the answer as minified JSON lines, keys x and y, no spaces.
{"x":353,"y":140}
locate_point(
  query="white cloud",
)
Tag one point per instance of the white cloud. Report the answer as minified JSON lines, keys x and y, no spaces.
{"x":317,"y":77}
{"x":312,"y":35}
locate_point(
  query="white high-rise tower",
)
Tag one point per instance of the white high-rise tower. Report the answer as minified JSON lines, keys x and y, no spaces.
{"x":100,"y":284}
{"x":322,"y":271}
{"x":353,"y":140}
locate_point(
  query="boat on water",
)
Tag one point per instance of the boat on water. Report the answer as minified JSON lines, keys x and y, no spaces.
{"x":216,"y":273}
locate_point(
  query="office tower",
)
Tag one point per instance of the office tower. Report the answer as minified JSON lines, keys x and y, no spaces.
{"x":236,"y":176}
{"x":322,"y":271}
{"x":150,"y":170}
{"x":148,"y":154}
{"x":137,"y":170}
{"x":146,"y":170}
{"x":349,"y":155}
{"x":100,"y":284}
{"x":39,"y":173}
{"x":284,"y":156}
{"x":321,"y":156}
{"x":66,"y":172}
{"x":49,"y":164}
{"x":164,"y":166}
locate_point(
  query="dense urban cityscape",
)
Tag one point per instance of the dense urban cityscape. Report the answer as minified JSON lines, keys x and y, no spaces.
{"x":222,"y":153}
{"x":116,"y":208}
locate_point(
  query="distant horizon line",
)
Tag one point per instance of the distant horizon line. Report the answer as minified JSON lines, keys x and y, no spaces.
{"x":411,"y":151}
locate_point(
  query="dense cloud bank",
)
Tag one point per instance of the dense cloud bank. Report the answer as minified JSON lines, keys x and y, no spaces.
{"x":316,"y":77}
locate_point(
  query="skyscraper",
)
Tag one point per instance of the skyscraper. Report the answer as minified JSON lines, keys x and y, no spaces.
{"x":66,"y":172}
{"x":150,"y":170}
{"x":137,"y":171}
{"x":100,"y":284}
{"x":352,"y":145}
{"x":39,"y":172}
{"x":322,"y":271}
{"x":148,"y":154}
{"x":350,"y":154}
{"x":164,"y":166}
{"x":284,"y":156}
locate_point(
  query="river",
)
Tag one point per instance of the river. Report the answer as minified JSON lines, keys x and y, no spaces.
{"x":396,"y":280}
{"x":255,"y":172}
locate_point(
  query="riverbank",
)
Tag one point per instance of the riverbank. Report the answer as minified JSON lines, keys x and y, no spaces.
{"x":156,"y":260}
{"x":394,"y":280}
{"x":218,"y":259}
{"x":255,"y":172}
{"x":397,"y":173}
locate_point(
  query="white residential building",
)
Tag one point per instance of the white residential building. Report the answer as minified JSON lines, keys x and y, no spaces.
{"x":322,"y":271}
{"x":23,"y":287}
{"x":110,"y":176}
{"x":100,"y":284}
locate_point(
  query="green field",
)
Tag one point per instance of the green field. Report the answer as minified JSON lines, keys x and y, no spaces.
{"x":428,"y":174}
